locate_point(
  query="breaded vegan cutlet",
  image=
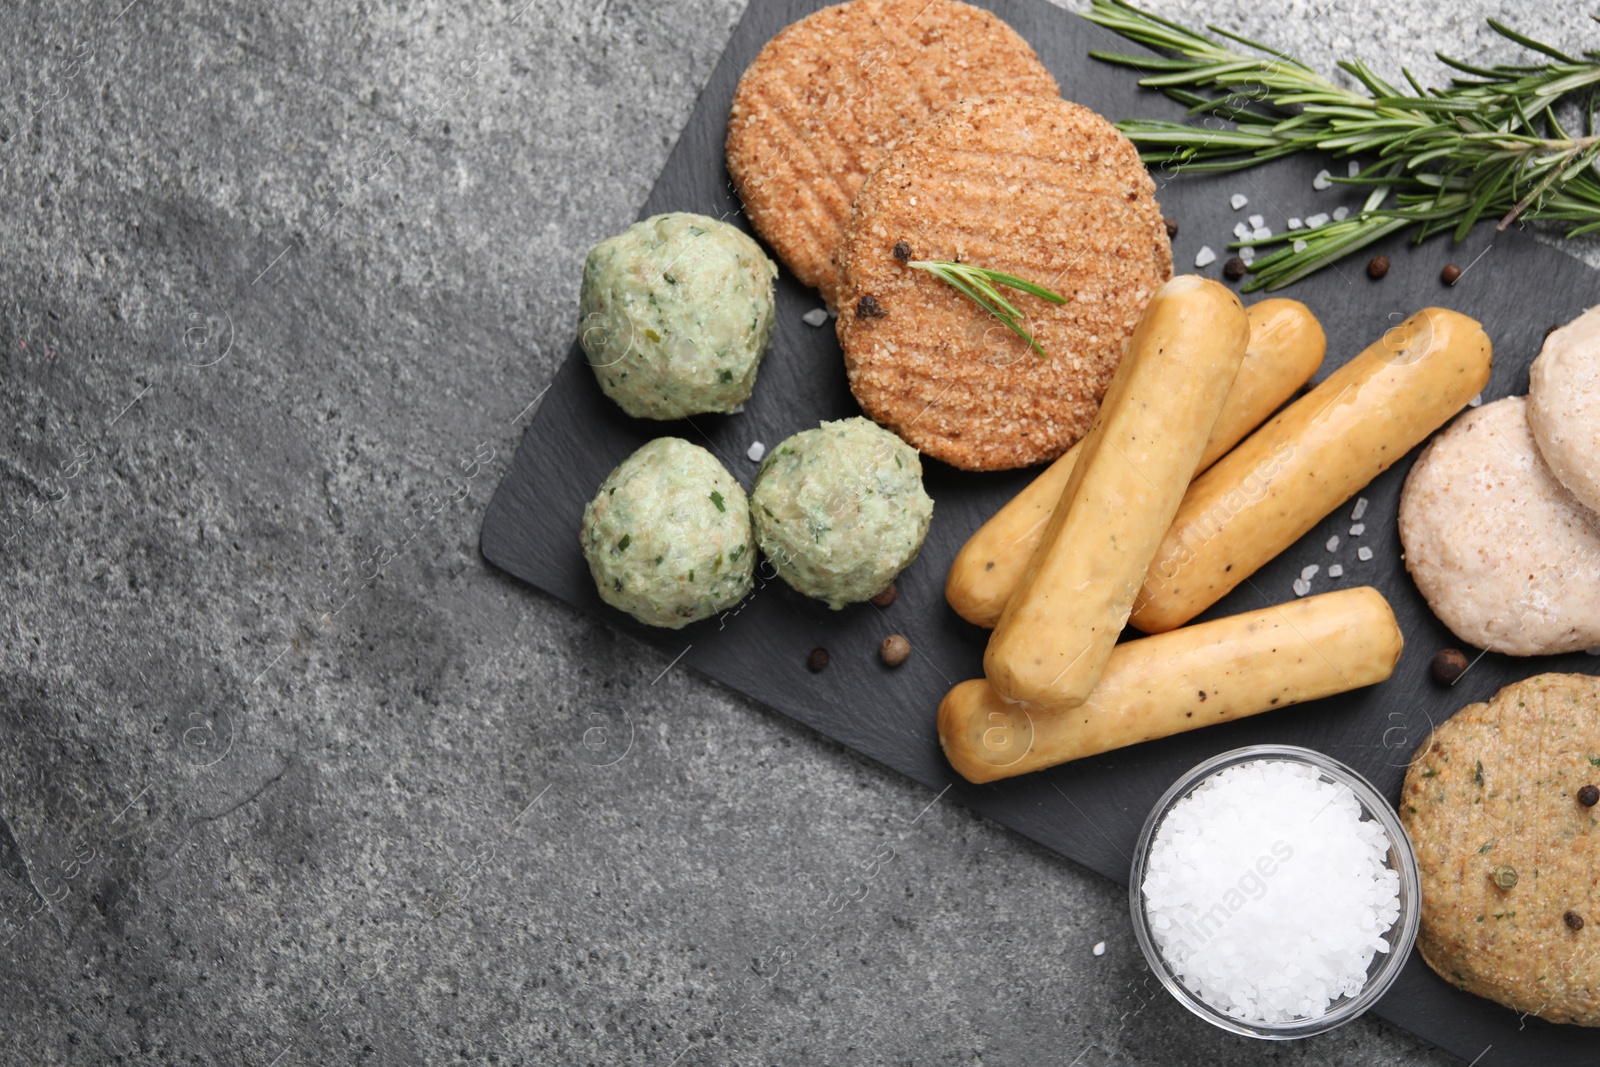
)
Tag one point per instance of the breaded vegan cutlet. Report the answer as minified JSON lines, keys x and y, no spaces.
{"x":1033,"y":186}
{"x":828,"y":95}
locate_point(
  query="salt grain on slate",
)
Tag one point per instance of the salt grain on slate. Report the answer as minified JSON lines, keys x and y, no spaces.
{"x":1290,"y":951}
{"x":1238,"y":200}
{"x":1475,"y":401}
{"x":1295,"y":224}
{"x":1308,"y":573}
{"x":1355,"y":168}
{"x":1363,"y":553}
{"x":1099,"y":948}
{"x":1357,"y":529}
{"x":1261,"y":233}
{"x":1336,"y":571}
{"x":815,"y":317}
{"x":1247,"y":254}
{"x":1319,"y":219}
{"x":1257,"y":221}
{"x":1321,"y":182}
{"x":1205,"y":257}
{"x":1299,"y":246}
{"x":1333,"y":543}
{"x":1242,"y":231}
{"x":756,"y":451}
{"x":1301,"y":587}
{"x":1340,"y":214}
{"x":1359,"y":510}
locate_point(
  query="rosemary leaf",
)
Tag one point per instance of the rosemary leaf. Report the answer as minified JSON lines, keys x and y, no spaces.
{"x":980,"y":285}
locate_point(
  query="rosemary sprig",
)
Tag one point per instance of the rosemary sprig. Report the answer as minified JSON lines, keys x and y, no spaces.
{"x":980,"y":284}
{"x":1488,"y":146}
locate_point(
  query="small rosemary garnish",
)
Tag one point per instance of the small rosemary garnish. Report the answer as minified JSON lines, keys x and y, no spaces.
{"x":979,"y":283}
{"x":1489,"y":146}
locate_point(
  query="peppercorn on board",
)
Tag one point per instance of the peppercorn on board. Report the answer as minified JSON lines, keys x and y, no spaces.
{"x":1089,"y":810}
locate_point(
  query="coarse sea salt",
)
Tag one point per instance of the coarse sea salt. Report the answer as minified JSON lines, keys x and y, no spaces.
{"x":1333,"y":543}
{"x":1205,"y":256}
{"x":756,"y":451}
{"x":815,"y":317}
{"x":1357,"y":529}
{"x":1302,"y":586}
{"x":1355,"y":168}
{"x":1295,"y":224}
{"x":1242,"y":231}
{"x":1261,"y":233}
{"x":1238,"y":200}
{"x":1321,"y":182}
{"x":1336,"y":571}
{"x":1257,"y":221}
{"x":1267,"y":892}
{"x":1340,"y":214}
{"x":1359,"y":510}
{"x":1299,"y":246}
{"x":1319,"y":219}
{"x":1364,"y":553}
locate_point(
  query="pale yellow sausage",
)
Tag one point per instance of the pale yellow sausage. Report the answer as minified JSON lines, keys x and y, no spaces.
{"x":1285,"y":350}
{"x":1267,"y":493}
{"x":1054,"y":637}
{"x":1202,"y":674}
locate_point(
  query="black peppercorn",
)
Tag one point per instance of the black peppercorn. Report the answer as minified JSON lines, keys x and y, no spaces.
{"x":1377,"y":267}
{"x":1589,"y":796}
{"x":1450,"y":273}
{"x":869,"y":308}
{"x":1573,"y":920}
{"x":902,"y":251}
{"x":817,"y":660}
{"x":1448,"y":665}
{"x":1172,"y":227}
{"x":1234,"y":269}
{"x":885,"y":598}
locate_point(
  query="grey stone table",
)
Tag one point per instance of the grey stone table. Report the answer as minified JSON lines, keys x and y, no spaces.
{"x":278,"y":286}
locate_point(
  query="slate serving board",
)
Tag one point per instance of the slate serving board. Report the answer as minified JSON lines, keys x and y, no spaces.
{"x":1091,"y":810}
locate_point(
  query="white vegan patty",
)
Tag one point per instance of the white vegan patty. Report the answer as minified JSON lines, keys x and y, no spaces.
{"x":840,"y":510}
{"x":668,"y":535}
{"x":675,"y":314}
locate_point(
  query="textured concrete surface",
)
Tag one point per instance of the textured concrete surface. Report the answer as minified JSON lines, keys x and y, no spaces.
{"x":278,"y":282}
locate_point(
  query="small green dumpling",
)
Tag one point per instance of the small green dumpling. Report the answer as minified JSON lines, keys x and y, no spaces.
{"x":840,"y":510}
{"x":668,"y":535}
{"x":675,"y":314}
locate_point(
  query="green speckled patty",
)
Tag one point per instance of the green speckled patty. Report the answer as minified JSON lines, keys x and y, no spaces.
{"x":668,"y":535}
{"x":840,"y":510}
{"x":1494,"y":802}
{"x":675,"y":314}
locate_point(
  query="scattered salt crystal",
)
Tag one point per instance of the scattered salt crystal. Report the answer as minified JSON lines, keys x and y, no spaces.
{"x":1363,"y":553}
{"x":756,"y":451}
{"x":1321,"y":182}
{"x":1355,"y":168}
{"x":1475,"y":401}
{"x":1336,"y":571}
{"x":1247,"y":254}
{"x":1099,"y":948}
{"x":1308,"y":573}
{"x":815,"y":317}
{"x":737,"y":409}
{"x":1268,"y":894}
{"x":1261,"y":233}
{"x":1333,"y":543}
{"x":1257,"y":221}
{"x":1295,"y":224}
{"x":1205,"y":256}
{"x":1242,"y":231}
{"x":833,"y":313}
{"x":1238,"y":200}
{"x":1319,"y":219}
{"x":1357,"y":529}
{"x":1340,"y":214}
{"x":1301,"y":587}
{"x":1359,"y":510}
{"x":1300,"y":246}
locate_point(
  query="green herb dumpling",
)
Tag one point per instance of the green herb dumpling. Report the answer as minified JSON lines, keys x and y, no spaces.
{"x":840,"y":510}
{"x":675,"y":314}
{"x":668,"y":536}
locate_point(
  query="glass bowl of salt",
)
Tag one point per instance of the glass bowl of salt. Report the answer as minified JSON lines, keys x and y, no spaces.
{"x":1274,"y":892}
